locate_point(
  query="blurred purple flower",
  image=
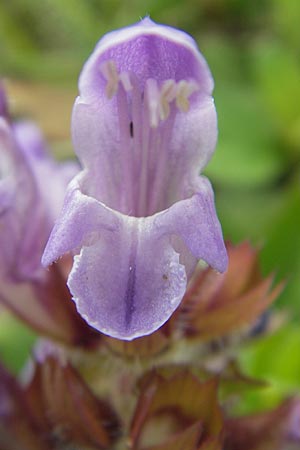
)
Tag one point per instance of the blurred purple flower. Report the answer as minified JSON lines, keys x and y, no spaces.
{"x":32,"y":188}
{"x":138,"y":217}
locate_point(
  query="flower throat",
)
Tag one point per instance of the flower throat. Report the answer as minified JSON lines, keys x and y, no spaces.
{"x":146,"y":119}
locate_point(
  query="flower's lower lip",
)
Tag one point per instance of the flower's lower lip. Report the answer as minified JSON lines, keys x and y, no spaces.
{"x":127,"y":279}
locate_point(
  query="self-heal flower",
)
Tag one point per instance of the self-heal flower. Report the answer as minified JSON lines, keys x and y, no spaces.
{"x":32,"y":188}
{"x":138,"y":217}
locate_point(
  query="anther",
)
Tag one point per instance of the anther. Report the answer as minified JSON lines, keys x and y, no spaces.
{"x":159,"y":100}
{"x":184,"y":90}
{"x":167,"y":95}
{"x":110,"y":72}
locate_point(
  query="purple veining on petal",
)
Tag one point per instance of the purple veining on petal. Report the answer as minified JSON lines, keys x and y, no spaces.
{"x":102,"y":294}
{"x":139,"y":216}
{"x":130,"y":292}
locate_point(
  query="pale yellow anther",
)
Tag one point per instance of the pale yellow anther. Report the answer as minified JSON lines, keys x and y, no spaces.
{"x":110,"y":72}
{"x":184,"y":90}
{"x":167,"y":95}
{"x":168,"y":90}
{"x":164,"y":109}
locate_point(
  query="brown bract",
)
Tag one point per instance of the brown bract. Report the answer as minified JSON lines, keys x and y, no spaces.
{"x":144,"y":347}
{"x":46,"y":306}
{"x":176,"y":411}
{"x":56,"y":409}
{"x":218,"y":304}
{"x":18,"y":427}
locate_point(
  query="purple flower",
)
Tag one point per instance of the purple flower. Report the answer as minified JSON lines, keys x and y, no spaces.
{"x":32,"y":187}
{"x":139,"y":217}
{"x":20,"y":233}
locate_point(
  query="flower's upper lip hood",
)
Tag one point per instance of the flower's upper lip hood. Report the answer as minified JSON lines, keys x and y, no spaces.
{"x":146,"y":27}
{"x":149,"y":56}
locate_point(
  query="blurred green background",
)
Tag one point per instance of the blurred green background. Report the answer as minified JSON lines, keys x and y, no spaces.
{"x":253,"y":49}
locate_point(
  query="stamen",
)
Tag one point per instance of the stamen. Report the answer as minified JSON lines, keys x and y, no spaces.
{"x":153,"y":99}
{"x":145,"y":132}
{"x":184,"y":90}
{"x":150,"y":119}
{"x":137,"y":117}
{"x":125,"y":80}
{"x":167,"y":95}
{"x":159,"y":100}
{"x":109,"y":70}
{"x":157,"y":193}
{"x":126,"y":194}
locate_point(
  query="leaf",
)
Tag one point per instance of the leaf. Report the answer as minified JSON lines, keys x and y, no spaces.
{"x":273,"y":358}
{"x":282,"y":252}
{"x":277,"y":72}
{"x":16,"y":341}
{"x":246,"y":156}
